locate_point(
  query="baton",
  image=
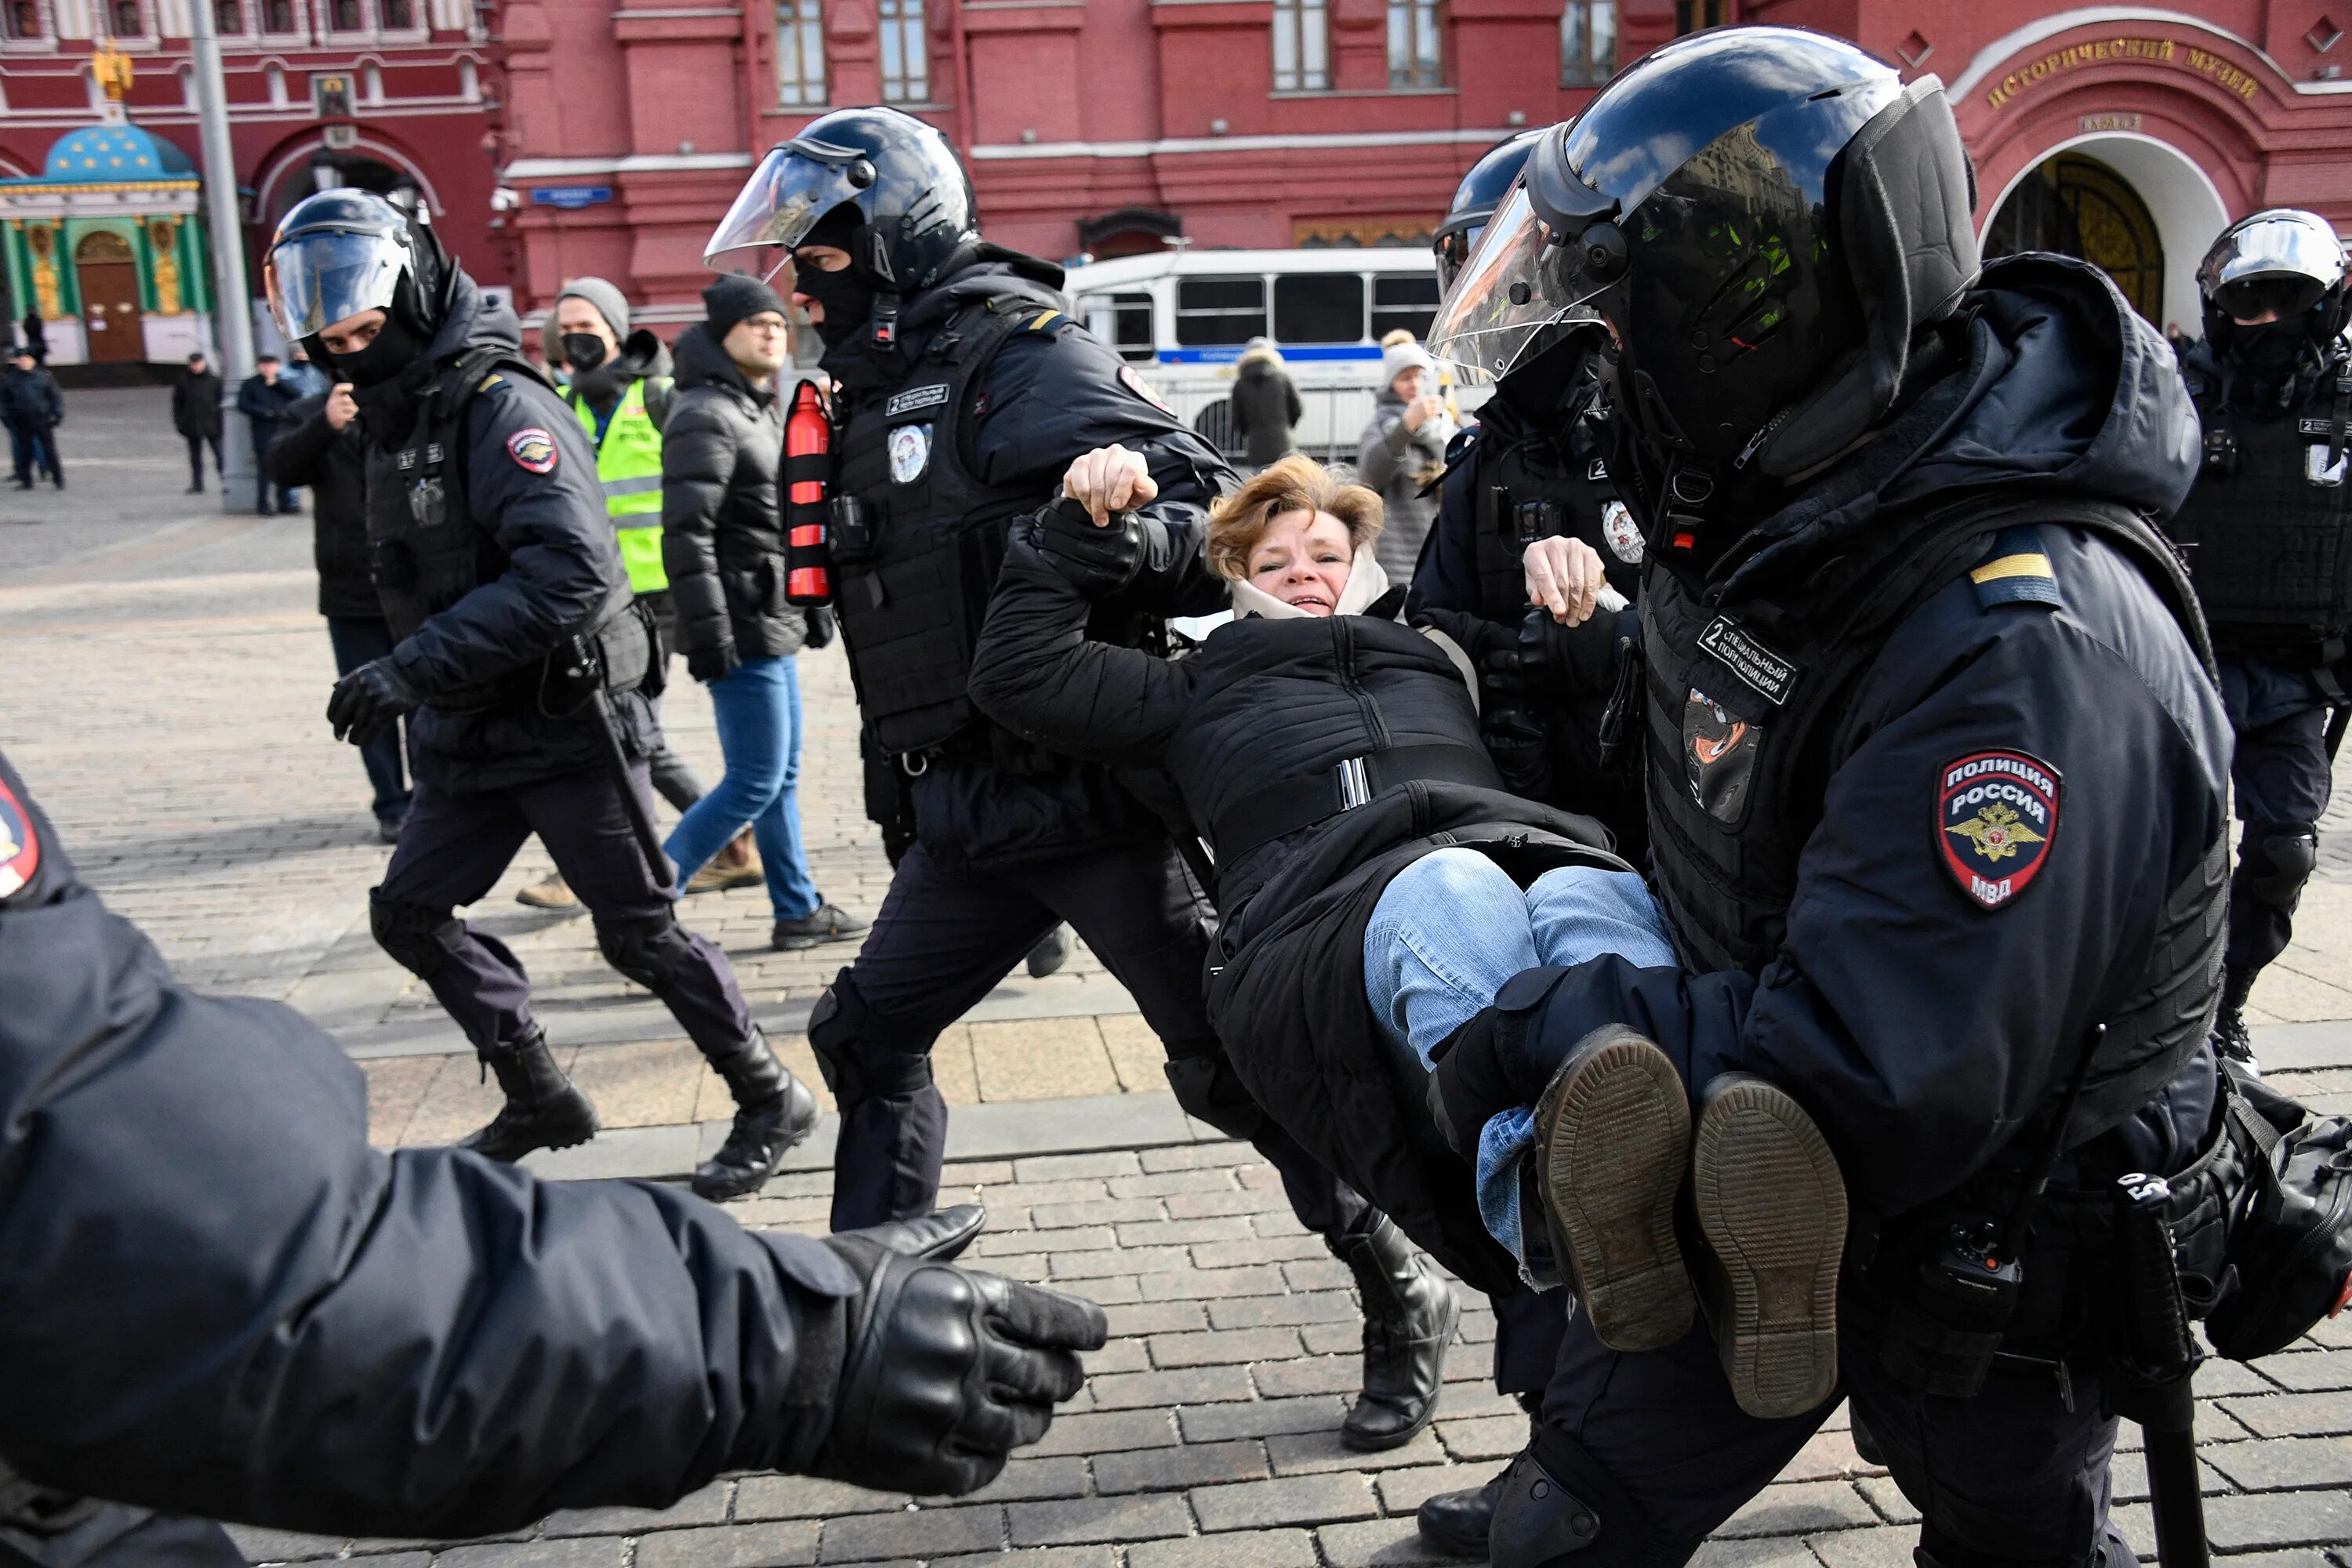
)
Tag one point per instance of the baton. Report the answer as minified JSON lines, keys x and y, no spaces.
{"x":589,"y":669}
{"x":2155,"y":1368}
{"x":2336,"y":725}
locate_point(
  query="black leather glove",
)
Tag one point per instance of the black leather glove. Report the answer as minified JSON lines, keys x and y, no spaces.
{"x":944,"y":1369}
{"x":1097,"y":562}
{"x":369,"y":701}
{"x":708,"y":664}
{"x":821,"y":625}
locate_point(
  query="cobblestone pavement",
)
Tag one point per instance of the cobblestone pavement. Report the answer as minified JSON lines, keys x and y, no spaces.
{"x":165,"y":671}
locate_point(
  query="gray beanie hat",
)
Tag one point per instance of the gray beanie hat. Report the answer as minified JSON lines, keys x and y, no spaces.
{"x":1395,"y":362}
{"x":609,"y":301}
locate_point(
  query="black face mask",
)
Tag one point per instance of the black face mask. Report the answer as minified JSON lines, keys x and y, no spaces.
{"x":393,"y":350}
{"x":583,"y":351}
{"x":848,"y":299}
{"x":2270,"y":352}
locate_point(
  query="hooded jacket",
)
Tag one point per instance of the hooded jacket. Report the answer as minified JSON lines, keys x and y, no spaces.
{"x":1924,"y":1026}
{"x":1266,"y":407}
{"x":1402,"y":465}
{"x":1271,"y":705}
{"x":722,"y":511}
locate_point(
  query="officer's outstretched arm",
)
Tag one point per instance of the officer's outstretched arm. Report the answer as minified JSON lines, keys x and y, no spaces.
{"x":214,"y":1299}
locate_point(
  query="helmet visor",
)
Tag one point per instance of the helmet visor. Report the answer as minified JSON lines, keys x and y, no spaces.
{"x":793,"y":187}
{"x":2275,"y":262}
{"x":324,"y":275}
{"x":1514,"y":284}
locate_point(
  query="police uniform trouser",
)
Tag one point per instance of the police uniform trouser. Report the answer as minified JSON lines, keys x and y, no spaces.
{"x":2011,"y":1476}
{"x":456,"y":845}
{"x":943,"y":939}
{"x":2280,"y":786}
{"x":113,"y":1535}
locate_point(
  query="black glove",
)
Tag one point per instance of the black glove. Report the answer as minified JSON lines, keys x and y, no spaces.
{"x":944,"y":1368}
{"x":369,"y":701}
{"x":708,"y":664}
{"x":1097,"y":562}
{"x":820,"y":627}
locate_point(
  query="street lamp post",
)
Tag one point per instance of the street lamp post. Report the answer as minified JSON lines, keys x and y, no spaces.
{"x":232,"y":308}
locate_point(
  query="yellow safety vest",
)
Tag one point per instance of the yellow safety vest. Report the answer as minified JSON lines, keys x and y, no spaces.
{"x":629,"y":466}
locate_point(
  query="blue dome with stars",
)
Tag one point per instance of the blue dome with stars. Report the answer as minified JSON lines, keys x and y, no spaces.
{"x":114,"y":152}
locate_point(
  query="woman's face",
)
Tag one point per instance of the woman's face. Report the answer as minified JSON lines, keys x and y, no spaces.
{"x":1303,"y":559}
{"x":1407,"y":384}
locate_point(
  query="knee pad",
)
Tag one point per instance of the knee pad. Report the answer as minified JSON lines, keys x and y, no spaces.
{"x":853,"y":1053}
{"x":1559,"y":1509}
{"x":1207,"y":1087}
{"x":417,"y":937}
{"x":2278,"y":857}
{"x":650,"y":951}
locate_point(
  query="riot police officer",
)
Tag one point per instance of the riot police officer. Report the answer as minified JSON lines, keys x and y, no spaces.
{"x":2268,"y":535}
{"x":259,"y":1318}
{"x":525,"y":663}
{"x":1936,"y":773}
{"x":964,"y":392}
{"x":1530,"y":476}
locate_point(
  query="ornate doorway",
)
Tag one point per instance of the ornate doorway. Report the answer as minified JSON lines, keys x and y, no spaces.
{"x":2078,"y":206}
{"x":108,"y":277}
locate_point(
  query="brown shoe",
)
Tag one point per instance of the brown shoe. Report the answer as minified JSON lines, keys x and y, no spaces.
{"x":1613,"y":1134}
{"x":719,"y":873}
{"x":1771,"y":1205}
{"x":554,"y":893}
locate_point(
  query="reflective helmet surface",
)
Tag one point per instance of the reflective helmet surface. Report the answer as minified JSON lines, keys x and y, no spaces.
{"x":913,"y":201}
{"x":1475,"y":200}
{"x":344,"y":251}
{"x":2282,"y":261}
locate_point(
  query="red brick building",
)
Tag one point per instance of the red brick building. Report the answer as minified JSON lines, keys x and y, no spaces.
{"x":1105,"y":125}
{"x":379,"y":93}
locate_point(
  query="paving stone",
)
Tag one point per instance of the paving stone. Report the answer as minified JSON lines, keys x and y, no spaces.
{"x":1493,"y":1438}
{"x":1312,"y":1375}
{"x":1262,"y":1418}
{"x":1402,"y":1491}
{"x":263,"y":1546}
{"x":782,"y":1544}
{"x":1799,"y":1506}
{"x":1316,"y":1274}
{"x":1267,"y":1312}
{"x":1224,"y":1346}
{"x":1886,"y":1499}
{"x":1113,"y":1519}
{"x":594,"y":1551}
{"x":1210,"y":1284}
{"x":1186,"y":1232}
{"x":1192,"y":1385}
{"x":1377,"y":1543}
{"x":1157,"y":1318}
{"x":393,"y":1560}
{"x":707,"y":1506}
{"x":1111,"y":1432}
{"x":1116,"y":1260}
{"x":2289,"y":1415}
{"x":1240,"y":1201}
{"x":1024,"y":1480}
{"x":1165,"y":1182}
{"x":1073,"y":1238}
{"x":1259,"y":1249}
{"x":1246,"y":1549}
{"x":1109,"y":1162}
{"x":1195,"y":1156}
{"x":1097,"y":1211}
{"x":1173,"y":1469}
{"x":1774,"y":1553}
{"x":2279,"y":1519}
{"x":2304,"y":1371}
{"x":1119,"y":1356}
{"x":1294,"y":1500}
{"x":1825,"y":1456}
{"x":1314,"y":1453}
{"x":1037,"y":1557}
{"x":2275,"y":1463}
{"x":919,"y":1533}
{"x":803,"y":1497}
{"x":1885,"y":1546}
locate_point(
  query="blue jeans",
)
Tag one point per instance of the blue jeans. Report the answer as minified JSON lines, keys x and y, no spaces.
{"x":758,"y":705}
{"x":1452,"y":927}
{"x":357,"y":640}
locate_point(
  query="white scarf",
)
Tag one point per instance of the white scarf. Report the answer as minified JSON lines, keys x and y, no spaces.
{"x":1366,"y":581}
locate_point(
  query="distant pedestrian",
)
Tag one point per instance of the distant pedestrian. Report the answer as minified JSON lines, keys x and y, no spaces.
{"x":724,"y":545}
{"x":196,"y":416}
{"x":321,"y":448}
{"x":36,"y":337}
{"x":264,"y":400}
{"x":302,"y":375}
{"x":1266,"y":405}
{"x":1402,"y":450}
{"x":33,"y":408}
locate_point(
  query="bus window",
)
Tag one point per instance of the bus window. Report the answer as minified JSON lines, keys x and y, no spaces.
{"x":1212,"y":312}
{"x":1404,"y":300}
{"x":1318,"y":308}
{"x":1122,"y":321}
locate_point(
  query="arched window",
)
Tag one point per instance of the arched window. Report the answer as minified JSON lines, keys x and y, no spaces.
{"x":278,"y":17}
{"x":1588,"y":42}
{"x":1416,"y":44}
{"x":22,"y":18}
{"x":228,"y":17}
{"x":124,"y":17}
{"x":800,"y":54}
{"x":1302,"y":46}
{"x":349,"y":16}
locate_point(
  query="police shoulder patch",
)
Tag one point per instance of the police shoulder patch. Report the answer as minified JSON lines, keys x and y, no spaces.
{"x":532,"y":448}
{"x":20,"y":845}
{"x":1996,"y":817}
{"x":1142,"y":388}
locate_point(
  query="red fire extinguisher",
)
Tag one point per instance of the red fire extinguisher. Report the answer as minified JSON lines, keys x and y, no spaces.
{"x":808,"y":446}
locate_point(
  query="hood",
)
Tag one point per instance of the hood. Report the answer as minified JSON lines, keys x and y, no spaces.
{"x":700,"y":361}
{"x":1367,"y":581}
{"x":1259,"y":362}
{"x":473,"y":321}
{"x":2056,"y":388}
{"x":643,"y":357}
{"x":993,"y":270}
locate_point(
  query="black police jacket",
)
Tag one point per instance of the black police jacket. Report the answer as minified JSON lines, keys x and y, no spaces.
{"x":723,"y":513}
{"x":1045,"y":398}
{"x":2010,"y":830}
{"x":1256,"y":728}
{"x":551,"y":567}
{"x":216,"y":1299}
{"x":310,"y":454}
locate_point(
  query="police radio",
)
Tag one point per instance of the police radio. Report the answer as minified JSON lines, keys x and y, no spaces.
{"x":808,"y":459}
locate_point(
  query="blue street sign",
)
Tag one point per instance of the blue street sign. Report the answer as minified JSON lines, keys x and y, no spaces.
{"x":570,"y":198}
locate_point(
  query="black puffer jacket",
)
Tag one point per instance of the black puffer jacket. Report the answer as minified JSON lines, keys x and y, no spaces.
{"x":722,"y":516}
{"x":1275,"y":706}
{"x":312,"y":454}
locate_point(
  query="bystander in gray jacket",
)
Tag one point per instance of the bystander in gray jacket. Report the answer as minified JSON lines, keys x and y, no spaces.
{"x":1401,"y":451}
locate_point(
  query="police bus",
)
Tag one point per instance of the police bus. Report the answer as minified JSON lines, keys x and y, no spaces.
{"x":1182,"y":317}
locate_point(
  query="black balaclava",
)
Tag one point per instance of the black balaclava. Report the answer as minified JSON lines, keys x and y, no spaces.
{"x":2269,"y":355}
{"x":848,"y":294}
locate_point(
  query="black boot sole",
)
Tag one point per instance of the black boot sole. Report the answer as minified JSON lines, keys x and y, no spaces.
{"x":1358,"y":1442}
{"x":721,"y":1183}
{"x":1772,"y":1207}
{"x":567,"y":1136}
{"x":1613,"y":1132}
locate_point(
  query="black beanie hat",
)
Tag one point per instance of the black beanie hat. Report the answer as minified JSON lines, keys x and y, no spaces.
{"x":734,"y":297}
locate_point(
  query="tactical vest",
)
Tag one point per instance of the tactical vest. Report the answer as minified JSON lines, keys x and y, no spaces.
{"x":916,"y":567}
{"x":2268,"y":529}
{"x":1746,"y":722}
{"x":1526,"y":486}
{"x":629,"y":467}
{"x":426,"y":552}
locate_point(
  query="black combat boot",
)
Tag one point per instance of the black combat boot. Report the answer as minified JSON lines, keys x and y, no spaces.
{"x":543,"y":1110}
{"x":1408,"y":1318}
{"x":1460,"y":1523}
{"x":2231,"y":1040}
{"x":773,"y":1110}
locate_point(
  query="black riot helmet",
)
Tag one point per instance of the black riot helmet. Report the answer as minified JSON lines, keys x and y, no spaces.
{"x":910,"y":204}
{"x":343,"y":251}
{"x":1481,"y":190}
{"x":2281,"y":262}
{"x":1766,"y":216}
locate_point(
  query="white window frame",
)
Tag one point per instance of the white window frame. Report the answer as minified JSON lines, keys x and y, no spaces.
{"x":800,"y":82}
{"x":1417,"y":43}
{"x":904,"y":51}
{"x":1301,"y":45}
{"x":1579,"y":65}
